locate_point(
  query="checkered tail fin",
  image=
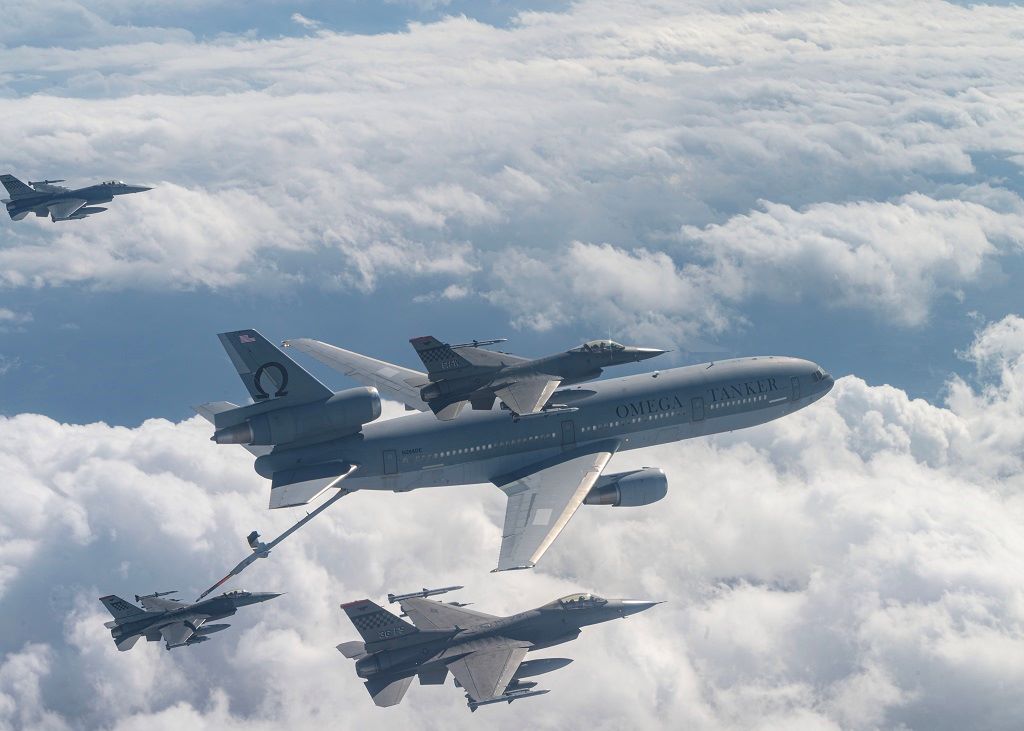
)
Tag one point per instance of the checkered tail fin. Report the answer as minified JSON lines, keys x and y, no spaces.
{"x":376,"y":624}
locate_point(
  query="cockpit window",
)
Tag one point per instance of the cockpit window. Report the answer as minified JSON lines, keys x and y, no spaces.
{"x":113,"y":182}
{"x":578,"y":601}
{"x":599,"y":346}
{"x":819,"y":375}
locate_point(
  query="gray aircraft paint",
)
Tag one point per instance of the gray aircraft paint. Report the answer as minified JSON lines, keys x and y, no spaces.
{"x":131,"y":622}
{"x":461,"y":374}
{"x":417,"y":450}
{"x":467,"y":642}
{"x":308,"y":438}
{"x":60,"y":203}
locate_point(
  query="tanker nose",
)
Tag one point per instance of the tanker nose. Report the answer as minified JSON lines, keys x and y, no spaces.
{"x":822,"y":380}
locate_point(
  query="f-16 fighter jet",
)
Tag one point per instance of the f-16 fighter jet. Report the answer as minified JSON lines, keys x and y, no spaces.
{"x":469,"y":374}
{"x":308,"y":438}
{"x":177,"y":623}
{"x":43,"y":198}
{"x":484,"y":652}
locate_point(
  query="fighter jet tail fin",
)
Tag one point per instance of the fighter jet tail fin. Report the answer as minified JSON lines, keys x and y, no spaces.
{"x":376,"y":624}
{"x":120,"y":609}
{"x":15,"y":188}
{"x":267,"y":372}
{"x":439,"y":358}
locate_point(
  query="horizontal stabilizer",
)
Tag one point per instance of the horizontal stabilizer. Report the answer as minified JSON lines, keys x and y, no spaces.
{"x":387,"y":692}
{"x":352,"y":650}
{"x":126,"y":643}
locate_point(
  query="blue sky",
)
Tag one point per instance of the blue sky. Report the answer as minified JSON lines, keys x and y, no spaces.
{"x":687,"y":155}
{"x":834,"y":182}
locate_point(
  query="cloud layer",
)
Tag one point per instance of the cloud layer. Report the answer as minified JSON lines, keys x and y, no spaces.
{"x":856,"y":565}
{"x":726,"y":154}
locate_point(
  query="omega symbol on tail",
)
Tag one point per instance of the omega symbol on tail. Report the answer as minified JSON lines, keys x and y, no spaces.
{"x":258,"y":375}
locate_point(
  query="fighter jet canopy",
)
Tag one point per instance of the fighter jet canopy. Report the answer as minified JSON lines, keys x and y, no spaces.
{"x":598,"y":346}
{"x":577,"y":601}
{"x":113,"y":182}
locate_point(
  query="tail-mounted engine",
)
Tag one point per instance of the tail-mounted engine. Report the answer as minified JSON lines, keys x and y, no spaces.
{"x":264,"y":423}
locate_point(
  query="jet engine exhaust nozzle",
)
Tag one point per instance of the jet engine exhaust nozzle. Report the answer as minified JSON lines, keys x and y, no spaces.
{"x":237,"y":434}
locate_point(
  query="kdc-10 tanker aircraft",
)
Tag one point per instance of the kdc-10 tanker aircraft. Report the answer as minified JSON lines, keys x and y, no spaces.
{"x":308,"y":438}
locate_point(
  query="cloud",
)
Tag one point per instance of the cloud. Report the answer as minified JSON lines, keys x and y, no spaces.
{"x":307,"y":23}
{"x":457,"y":153}
{"x":12,"y":321}
{"x":855,"y":565}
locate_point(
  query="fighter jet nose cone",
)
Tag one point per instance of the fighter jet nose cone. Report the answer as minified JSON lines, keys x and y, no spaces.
{"x":266,"y":596}
{"x":645,"y":353}
{"x":633,"y":606}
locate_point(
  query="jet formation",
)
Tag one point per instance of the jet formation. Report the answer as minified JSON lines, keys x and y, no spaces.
{"x":540,"y":430}
{"x":484,"y":652}
{"x":177,"y":623}
{"x":44,"y":198}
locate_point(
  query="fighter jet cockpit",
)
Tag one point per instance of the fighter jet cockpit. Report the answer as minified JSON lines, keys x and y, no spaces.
{"x":598,"y":346}
{"x":577,"y":601}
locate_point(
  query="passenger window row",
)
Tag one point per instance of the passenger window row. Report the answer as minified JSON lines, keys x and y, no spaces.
{"x":427,"y":456}
{"x":734,"y":402}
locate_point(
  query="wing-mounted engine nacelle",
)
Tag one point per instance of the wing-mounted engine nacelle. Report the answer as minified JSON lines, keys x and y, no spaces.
{"x":629,"y":489}
{"x":343,"y":413}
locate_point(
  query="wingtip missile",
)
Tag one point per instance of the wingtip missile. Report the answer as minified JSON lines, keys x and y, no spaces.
{"x":423,"y":593}
{"x":45,"y":182}
{"x":506,"y":698}
{"x":155,"y":594}
{"x":479,"y":343}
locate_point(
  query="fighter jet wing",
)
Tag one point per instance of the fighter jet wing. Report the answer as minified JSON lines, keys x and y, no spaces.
{"x":396,"y":382}
{"x":542,"y":498}
{"x":65,"y":208}
{"x":178,"y":633}
{"x":486,"y":673}
{"x":529,"y":395}
{"x":428,"y":614}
